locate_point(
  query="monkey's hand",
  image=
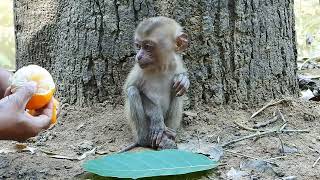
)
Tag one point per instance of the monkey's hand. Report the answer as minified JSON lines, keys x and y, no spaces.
{"x":157,"y":130}
{"x":168,"y":140}
{"x":167,"y":143}
{"x":181,"y":83}
{"x":170,"y":133}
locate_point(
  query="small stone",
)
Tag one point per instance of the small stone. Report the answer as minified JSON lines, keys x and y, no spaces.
{"x":289,"y":178}
{"x":288,"y":150}
{"x":186,"y":121}
{"x":237,"y":134}
{"x":85,"y":146}
{"x":67,"y":167}
{"x":190,"y":114}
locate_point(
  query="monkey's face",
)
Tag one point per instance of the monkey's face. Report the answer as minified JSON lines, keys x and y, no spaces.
{"x":147,"y":54}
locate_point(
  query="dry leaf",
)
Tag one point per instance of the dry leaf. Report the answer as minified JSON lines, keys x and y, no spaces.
{"x":56,"y":156}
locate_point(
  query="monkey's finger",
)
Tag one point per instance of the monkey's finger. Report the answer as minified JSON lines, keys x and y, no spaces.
{"x":151,"y":137}
{"x":161,"y":145}
{"x":178,"y":81}
{"x":154,"y":138}
{"x":187,"y":85}
{"x":182,"y":84}
{"x":159,"y":138}
{"x":181,"y":92}
{"x":171,"y":133}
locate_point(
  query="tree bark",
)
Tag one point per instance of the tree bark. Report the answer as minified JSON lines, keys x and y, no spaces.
{"x":242,"y":52}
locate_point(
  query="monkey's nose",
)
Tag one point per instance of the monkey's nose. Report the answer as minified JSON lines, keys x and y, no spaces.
{"x":139,"y":57}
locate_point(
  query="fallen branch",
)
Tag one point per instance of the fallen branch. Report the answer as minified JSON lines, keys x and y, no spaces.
{"x":244,"y":127}
{"x":251,"y":157}
{"x":261,"y":134}
{"x":282,"y":146}
{"x":315,"y":163}
{"x":264,"y":124}
{"x":271,"y":103}
{"x":248,"y":137}
{"x":283,"y":126}
{"x":296,"y":130}
{"x":275,"y":158}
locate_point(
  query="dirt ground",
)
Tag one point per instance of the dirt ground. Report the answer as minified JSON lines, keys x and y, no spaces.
{"x":104,"y":127}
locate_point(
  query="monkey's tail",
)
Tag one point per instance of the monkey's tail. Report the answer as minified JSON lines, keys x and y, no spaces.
{"x":128,"y":148}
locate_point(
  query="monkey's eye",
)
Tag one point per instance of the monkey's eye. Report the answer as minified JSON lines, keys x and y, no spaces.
{"x":148,"y":47}
{"x":137,"y":45}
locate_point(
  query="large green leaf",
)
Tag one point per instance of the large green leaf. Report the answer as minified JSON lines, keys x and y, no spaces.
{"x":149,"y":163}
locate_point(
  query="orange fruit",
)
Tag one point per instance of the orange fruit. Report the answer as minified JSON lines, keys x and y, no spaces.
{"x":45,"y":87}
{"x":54,"y":112}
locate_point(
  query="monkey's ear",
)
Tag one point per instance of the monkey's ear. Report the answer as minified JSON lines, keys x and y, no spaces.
{"x":182,"y":42}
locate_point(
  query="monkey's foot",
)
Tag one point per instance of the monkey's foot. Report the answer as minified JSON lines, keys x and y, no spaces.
{"x":128,"y":148}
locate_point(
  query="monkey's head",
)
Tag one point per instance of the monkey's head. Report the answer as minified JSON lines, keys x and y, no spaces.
{"x":158,"y":40}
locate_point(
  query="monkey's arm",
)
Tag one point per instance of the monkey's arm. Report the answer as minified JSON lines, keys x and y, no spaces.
{"x":136,"y":113}
{"x":154,"y":113}
{"x":173,"y":119}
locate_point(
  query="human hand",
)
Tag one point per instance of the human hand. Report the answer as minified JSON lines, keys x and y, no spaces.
{"x":15,"y":122}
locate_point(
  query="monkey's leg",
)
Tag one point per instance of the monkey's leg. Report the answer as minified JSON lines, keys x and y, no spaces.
{"x":137,"y":117}
{"x":174,"y":114}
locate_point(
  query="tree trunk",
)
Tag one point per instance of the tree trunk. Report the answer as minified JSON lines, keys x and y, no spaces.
{"x":242,"y":52}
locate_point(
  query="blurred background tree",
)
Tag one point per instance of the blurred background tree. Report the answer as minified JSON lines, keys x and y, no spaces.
{"x":307,"y":14}
{"x":307,"y":25}
{"x":241,"y":53}
{"x":7,"y":40}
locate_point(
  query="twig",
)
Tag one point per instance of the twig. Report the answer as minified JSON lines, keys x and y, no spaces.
{"x":281,"y":116}
{"x":218,"y":139}
{"x":248,"y":137}
{"x":260,"y":134}
{"x":281,"y":143}
{"x":251,"y":157}
{"x":198,"y":138}
{"x":244,"y":127}
{"x":296,"y":130}
{"x":315,"y":163}
{"x":222,"y":164}
{"x":271,"y":103}
{"x":275,"y":158}
{"x":264,"y":124}
{"x":309,"y":59}
{"x":283,"y":126}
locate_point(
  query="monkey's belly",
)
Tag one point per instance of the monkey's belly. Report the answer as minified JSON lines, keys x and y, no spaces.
{"x":162,"y":100}
{"x":158,"y":90}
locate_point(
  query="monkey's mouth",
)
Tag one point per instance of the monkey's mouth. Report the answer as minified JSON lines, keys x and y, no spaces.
{"x":144,"y":64}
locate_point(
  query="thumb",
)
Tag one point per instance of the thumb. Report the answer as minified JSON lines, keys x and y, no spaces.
{"x":43,"y":119}
{"x":23,"y":94}
{"x":7,"y":92}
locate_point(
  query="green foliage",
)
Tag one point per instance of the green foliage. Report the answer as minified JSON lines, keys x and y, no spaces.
{"x":149,"y":164}
{"x":7,"y":41}
{"x":308,"y":25}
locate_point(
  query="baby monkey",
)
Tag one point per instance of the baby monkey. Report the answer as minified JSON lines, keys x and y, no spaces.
{"x":154,"y":87}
